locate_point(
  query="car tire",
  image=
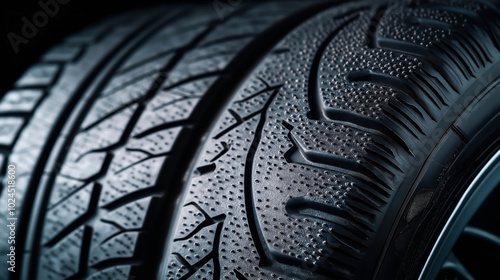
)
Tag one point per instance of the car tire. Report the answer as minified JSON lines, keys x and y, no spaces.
{"x":239,"y":140}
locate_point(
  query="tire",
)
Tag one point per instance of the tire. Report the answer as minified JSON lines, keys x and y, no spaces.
{"x":282,"y":140}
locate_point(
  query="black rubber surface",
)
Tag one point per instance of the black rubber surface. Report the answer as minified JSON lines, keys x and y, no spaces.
{"x":272,"y":143}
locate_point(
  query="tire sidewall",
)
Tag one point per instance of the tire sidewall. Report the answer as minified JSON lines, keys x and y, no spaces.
{"x":443,"y":179}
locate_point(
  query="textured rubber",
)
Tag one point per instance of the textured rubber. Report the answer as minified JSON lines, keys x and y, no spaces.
{"x":272,"y":144}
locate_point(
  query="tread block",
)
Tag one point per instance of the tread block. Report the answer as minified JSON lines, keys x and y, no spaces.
{"x":142,"y":76}
{"x":169,"y":39}
{"x":189,"y":70}
{"x":131,"y":215}
{"x":221,"y":193}
{"x":83,"y":169}
{"x":172,"y":104}
{"x":176,"y":268}
{"x":192,"y":217}
{"x":120,"y":246}
{"x":190,"y":89}
{"x":33,"y":135}
{"x":61,"y":261}
{"x":103,"y":135}
{"x":402,"y":24}
{"x":62,"y":187}
{"x":202,"y":242}
{"x":252,"y":21}
{"x":150,"y":119}
{"x":156,"y":143}
{"x":226,"y":51}
{"x":246,"y":107}
{"x":120,"y":272}
{"x":67,"y":212}
{"x":225,"y":33}
{"x":38,"y":75}
{"x":229,"y":121}
{"x":103,"y":230}
{"x":253,"y":86}
{"x":187,"y":89}
{"x":20,"y":100}
{"x":106,"y":105}
{"x":141,"y":82}
{"x":333,"y":139}
{"x":138,"y":177}
{"x":215,"y":154}
{"x":9,"y":129}
{"x":124,"y":159}
{"x":202,"y":272}
{"x":63,"y":53}
{"x":321,"y":142}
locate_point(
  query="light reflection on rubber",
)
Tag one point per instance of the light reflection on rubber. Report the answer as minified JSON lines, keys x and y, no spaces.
{"x":482,"y":185}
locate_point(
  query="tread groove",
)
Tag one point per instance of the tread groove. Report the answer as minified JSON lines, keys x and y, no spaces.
{"x":371,"y":35}
{"x":329,"y":162}
{"x":130,"y":197}
{"x":132,"y":81}
{"x":77,"y":222}
{"x":239,"y":276}
{"x":40,"y":195}
{"x":193,"y":78}
{"x":228,"y":39}
{"x":123,"y":139}
{"x":391,"y":81}
{"x":265,"y":256}
{"x":161,"y":127}
{"x":316,"y":110}
{"x":429,"y":22}
{"x":110,"y":114}
{"x":147,"y":60}
{"x":141,"y":161}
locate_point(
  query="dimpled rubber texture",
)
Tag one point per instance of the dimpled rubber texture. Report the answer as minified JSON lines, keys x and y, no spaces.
{"x":96,"y":126}
{"x":301,"y":166}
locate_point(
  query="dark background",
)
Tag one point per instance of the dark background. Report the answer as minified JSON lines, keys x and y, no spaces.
{"x":71,"y":17}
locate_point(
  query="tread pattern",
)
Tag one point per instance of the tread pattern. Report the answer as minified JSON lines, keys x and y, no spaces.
{"x":295,"y":175}
{"x":40,"y":100}
{"x":305,"y":159}
{"x":63,"y":260}
{"x":103,"y":178}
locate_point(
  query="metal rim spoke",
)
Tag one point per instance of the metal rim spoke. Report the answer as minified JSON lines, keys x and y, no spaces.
{"x":482,"y":235}
{"x":469,"y":244}
{"x":454,"y":264}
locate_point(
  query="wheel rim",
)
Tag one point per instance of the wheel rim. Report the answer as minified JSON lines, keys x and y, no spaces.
{"x":472,"y":226}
